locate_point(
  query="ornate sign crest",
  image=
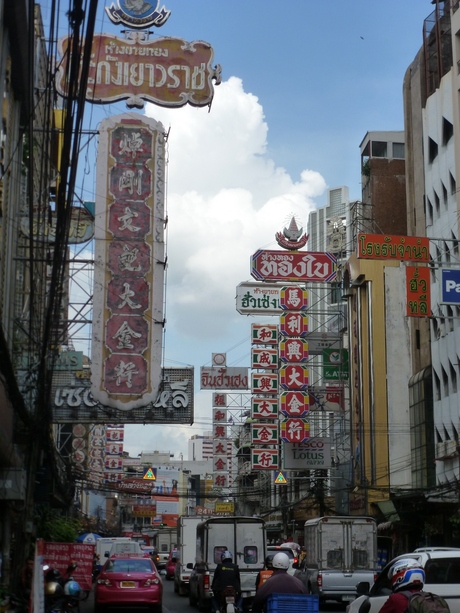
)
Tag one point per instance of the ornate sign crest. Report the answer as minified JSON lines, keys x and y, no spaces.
{"x":291,"y":238}
{"x":138,"y":13}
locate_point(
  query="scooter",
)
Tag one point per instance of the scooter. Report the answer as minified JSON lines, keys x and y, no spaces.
{"x":62,"y":593}
{"x":228,"y":600}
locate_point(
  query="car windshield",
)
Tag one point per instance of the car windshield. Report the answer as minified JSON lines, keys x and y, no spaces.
{"x":288,"y":551}
{"x":129,"y":566}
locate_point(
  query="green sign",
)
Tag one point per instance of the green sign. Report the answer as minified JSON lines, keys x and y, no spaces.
{"x":335,"y":364}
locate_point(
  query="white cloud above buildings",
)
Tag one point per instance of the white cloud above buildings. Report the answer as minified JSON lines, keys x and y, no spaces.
{"x":226,"y":198}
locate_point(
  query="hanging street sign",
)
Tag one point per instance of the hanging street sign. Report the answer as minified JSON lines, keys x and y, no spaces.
{"x":294,"y":377}
{"x":335,"y":364}
{"x":264,"y":383}
{"x":293,"y":298}
{"x":264,"y":335}
{"x":264,"y":408}
{"x":297,"y":266}
{"x":317,"y":342}
{"x":450,"y":286}
{"x":280,"y":478}
{"x":264,"y":434}
{"x":264,"y":357}
{"x":231,"y":378}
{"x":293,"y":323}
{"x":327,"y":399}
{"x":264,"y":459}
{"x":387,"y":247}
{"x":295,"y":430}
{"x":294,"y":404}
{"x":293,"y":350}
{"x":168,"y":71}
{"x":258,"y":299}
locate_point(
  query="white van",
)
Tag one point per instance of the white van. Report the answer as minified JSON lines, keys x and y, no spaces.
{"x":130,"y":547}
{"x":104,"y":545}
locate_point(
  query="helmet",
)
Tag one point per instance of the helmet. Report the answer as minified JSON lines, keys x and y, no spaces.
{"x":280,"y":560}
{"x":53,"y":588}
{"x":226,"y":555}
{"x":72,"y":588}
{"x":53,"y":575}
{"x":269,"y":561}
{"x":405,"y":572}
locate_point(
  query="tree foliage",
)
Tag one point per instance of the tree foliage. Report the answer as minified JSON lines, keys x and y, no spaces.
{"x":54,"y":527}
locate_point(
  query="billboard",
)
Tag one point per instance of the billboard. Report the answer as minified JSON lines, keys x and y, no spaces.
{"x":129,"y":267}
{"x":450,"y":286}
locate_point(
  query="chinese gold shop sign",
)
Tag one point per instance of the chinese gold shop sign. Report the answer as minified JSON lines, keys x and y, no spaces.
{"x":418,"y":291}
{"x":386,"y":247}
{"x":166,"y":71}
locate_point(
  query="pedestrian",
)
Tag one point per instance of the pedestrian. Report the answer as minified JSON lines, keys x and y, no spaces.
{"x":279,"y":583}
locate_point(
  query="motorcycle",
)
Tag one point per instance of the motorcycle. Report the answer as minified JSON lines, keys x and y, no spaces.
{"x":13,"y":604}
{"x":62,"y":593}
{"x":228,"y":600}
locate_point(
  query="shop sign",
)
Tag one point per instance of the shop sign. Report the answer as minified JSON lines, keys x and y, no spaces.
{"x":418,"y":291}
{"x":264,"y":357}
{"x":264,"y":335}
{"x":311,"y":454}
{"x":230,"y":378}
{"x":295,"y":430}
{"x":293,"y":350}
{"x":258,"y":299}
{"x":293,"y":298}
{"x":298,"y":266}
{"x":294,"y":404}
{"x":293,"y":377}
{"x":293,"y":323}
{"x":388,"y":247}
{"x":264,"y":434}
{"x":264,"y":383}
{"x":264,"y":408}
{"x":264,"y":459}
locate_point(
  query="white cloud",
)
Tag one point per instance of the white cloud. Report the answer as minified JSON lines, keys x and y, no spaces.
{"x":226,"y":199}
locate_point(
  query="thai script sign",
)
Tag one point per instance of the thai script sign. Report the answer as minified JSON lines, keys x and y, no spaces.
{"x":313,"y":453}
{"x":129,"y":262}
{"x":293,"y":266}
{"x":386,"y":247}
{"x":264,"y":335}
{"x":450,"y":286}
{"x":224,"y":378}
{"x":327,"y":399}
{"x":258,"y":299}
{"x":264,"y":459}
{"x":81,"y":228}
{"x":295,"y":430}
{"x":72,"y":401}
{"x":166,"y":71}
{"x":418,"y":291}
{"x":60,"y":555}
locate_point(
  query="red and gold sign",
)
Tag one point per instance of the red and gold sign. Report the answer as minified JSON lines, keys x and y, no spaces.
{"x":293,"y":298}
{"x":295,"y":430}
{"x":294,"y":404}
{"x":293,"y":323}
{"x":418,"y":291}
{"x":294,"y":377}
{"x":387,"y":247}
{"x":166,"y":71}
{"x":129,"y":269}
{"x":293,"y":350}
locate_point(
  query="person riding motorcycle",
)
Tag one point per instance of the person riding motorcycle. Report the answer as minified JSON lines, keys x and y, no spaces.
{"x":263,"y":575}
{"x":279,"y":583}
{"x":226,"y":573}
{"x":406,"y":575}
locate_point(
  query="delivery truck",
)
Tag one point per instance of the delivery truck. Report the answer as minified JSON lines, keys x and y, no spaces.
{"x":186,"y":551}
{"x":245,"y":537}
{"x":340,"y":553}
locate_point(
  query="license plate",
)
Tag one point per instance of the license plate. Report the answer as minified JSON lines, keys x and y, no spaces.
{"x":128,"y":584}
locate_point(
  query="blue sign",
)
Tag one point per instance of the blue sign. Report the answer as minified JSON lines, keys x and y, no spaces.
{"x":450,"y":286}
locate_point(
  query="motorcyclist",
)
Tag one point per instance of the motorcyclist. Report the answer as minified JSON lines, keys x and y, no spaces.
{"x":267,"y":572}
{"x":226,"y":573}
{"x":279,"y":583}
{"x":406,"y":575}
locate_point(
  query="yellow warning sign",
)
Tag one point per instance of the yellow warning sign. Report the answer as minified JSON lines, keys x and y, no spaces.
{"x":150,"y":475}
{"x":280,"y":479}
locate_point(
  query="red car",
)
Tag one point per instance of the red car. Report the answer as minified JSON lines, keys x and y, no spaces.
{"x":128,"y":581}
{"x":171,"y":564}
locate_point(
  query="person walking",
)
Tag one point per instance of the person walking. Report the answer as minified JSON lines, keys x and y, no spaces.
{"x":279,"y":583}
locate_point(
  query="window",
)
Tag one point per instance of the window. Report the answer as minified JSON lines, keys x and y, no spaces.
{"x":360,"y":558}
{"x":432,"y":150}
{"x":399,"y":151}
{"x":447,"y":131}
{"x":335,"y":558}
{"x":379,"y":149}
{"x":250,"y":555}
{"x":218,"y":551}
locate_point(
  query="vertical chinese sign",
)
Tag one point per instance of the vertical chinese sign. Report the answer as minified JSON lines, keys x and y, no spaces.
{"x":129,"y":262}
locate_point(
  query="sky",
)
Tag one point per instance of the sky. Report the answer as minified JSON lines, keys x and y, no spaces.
{"x":302,"y":84}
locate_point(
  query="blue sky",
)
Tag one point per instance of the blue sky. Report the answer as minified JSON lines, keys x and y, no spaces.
{"x":303,"y":82}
